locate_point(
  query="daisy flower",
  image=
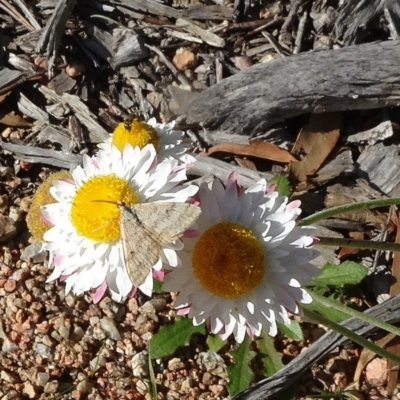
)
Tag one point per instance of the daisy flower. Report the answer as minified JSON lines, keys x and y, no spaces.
{"x":85,"y":240}
{"x":167,"y":141}
{"x":37,"y":226}
{"x":244,"y":271}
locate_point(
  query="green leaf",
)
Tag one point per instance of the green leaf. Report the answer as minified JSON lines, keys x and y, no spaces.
{"x":215,"y":343}
{"x":270,"y":357}
{"x":347,"y":273}
{"x":157,"y":286}
{"x":328,"y":312}
{"x":240,"y":374}
{"x":282,"y":185}
{"x":292,"y":331}
{"x":167,"y":340}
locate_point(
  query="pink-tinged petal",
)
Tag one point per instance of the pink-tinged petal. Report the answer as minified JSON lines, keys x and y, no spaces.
{"x":316,"y":240}
{"x":59,"y":260}
{"x":271,"y":188}
{"x":159,"y":275}
{"x":63,"y":278}
{"x":46,"y":221}
{"x":190,"y":233}
{"x":183,"y":311}
{"x":293,"y":205}
{"x":233,"y":178}
{"x":132,"y":292}
{"x":179,"y":168}
{"x":195,"y":199}
{"x":98,"y":293}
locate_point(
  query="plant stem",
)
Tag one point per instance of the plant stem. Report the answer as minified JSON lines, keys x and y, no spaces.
{"x":351,"y":335}
{"x":362,"y":205}
{"x":360,"y":244}
{"x":354,"y":313}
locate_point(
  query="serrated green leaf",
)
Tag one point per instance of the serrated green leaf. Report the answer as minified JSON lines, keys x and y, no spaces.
{"x":270,"y":357}
{"x":215,"y":343}
{"x":282,"y":185}
{"x":347,"y":273}
{"x":292,"y":331}
{"x":240,"y":374}
{"x":167,"y":340}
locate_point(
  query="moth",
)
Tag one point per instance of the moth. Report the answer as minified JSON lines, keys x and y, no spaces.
{"x":146,"y":227}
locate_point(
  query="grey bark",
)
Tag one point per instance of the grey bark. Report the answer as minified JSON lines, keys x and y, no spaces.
{"x":354,"y":77}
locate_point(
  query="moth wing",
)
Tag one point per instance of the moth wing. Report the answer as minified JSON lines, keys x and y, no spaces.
{"x":166,"y":222}
{"x":141,"y":250}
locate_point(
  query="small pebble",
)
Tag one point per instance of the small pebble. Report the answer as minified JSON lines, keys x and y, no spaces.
{"x":77,"y":334}
{"x":83,"y":386}
{"x":7,"y":227}
{"x":8,"y":377}
{"x":140,"y":365}
{"x":75,"y":69}
{"x":51,"y":387}
{"x":97,"y":362}
{"x":43,"y":350}
{"x":108,"y":325}
{"x":10,"y":285}
{"x":70,"y":300}
{"x":175,"y":364}
{"x":32,"y":253}
{"x":42,"y":378}
{"x":9,"y":346}
{"x":29,"y":390}
{"x":184,"y":59}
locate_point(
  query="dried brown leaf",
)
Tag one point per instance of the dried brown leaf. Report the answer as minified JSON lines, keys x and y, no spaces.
{"x":256,"y":148}
{"x":316,"y":140}
{"x":12,"y":119}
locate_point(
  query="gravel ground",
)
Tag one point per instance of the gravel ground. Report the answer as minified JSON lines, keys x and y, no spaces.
{"x":63,"y":347}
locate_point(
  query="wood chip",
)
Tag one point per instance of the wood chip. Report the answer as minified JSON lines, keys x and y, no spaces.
{"x":207,"y":36}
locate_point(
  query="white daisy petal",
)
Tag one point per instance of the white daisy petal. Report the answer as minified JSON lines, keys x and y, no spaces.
{"x":244,"y":271}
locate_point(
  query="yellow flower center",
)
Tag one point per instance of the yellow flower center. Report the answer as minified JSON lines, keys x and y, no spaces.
{"x":95,"y":213}
{"x":136,"y":133}
{"x":228,"y":260}
{"x":36,"y":225}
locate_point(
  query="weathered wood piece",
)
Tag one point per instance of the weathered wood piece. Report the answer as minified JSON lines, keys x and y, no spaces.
{"x":211,"y":166}
{"x":8,"y":76}
{"x":334,"y":80}
{"x":388,"y":311}
{"x":28,"y":14}
{"x":382,"y":131}
{"x":208,"y":37}
{"x":26,"y":106}
{"x":37,"y":155}
{"x":53,"y":31}
{"x":380,"y":165}
{"x":340,"y":164}
{"x":207,"y":13}
{"x":355,"y":16}
{"x":128,"y":47}
{"x":152,"y":7}
{"x":96,"y":132}
{"x":57,"y":134}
